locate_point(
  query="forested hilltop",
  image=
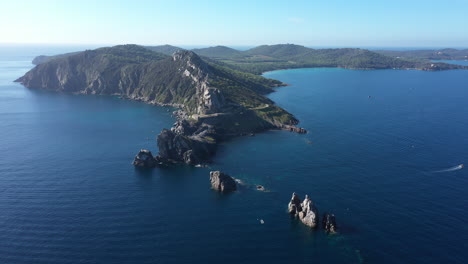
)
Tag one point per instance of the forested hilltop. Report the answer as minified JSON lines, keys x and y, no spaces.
{"x":427,"y":54}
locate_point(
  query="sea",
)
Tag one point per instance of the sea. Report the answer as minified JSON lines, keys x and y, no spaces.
{"x":384,"y":153}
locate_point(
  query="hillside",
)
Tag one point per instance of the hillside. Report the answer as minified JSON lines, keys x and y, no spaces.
{"x":218,"y":52}
{"x":284,"y":56}
{"x":429,"y":54}
{"x":164,"y":49}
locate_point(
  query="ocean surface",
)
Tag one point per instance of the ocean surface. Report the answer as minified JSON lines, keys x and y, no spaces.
{"x":462,"y":62}
{"x":385,"y":146}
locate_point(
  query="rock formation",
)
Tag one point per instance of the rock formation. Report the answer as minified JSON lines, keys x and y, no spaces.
{"x":294,"y":206}
{"x":305,"y":211}
{"x":186,"y":143}
{"x":309,"y":214}
{"x":222,"y":182}
{"x":145,"y":158}
{"x":329,"y":223}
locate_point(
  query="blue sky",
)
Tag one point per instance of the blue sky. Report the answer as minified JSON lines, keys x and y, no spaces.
{"x":366,"y":23}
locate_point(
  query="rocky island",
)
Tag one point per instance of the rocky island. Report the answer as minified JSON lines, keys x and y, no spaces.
{"x":308,"y":214}
{"x":217,"y":90}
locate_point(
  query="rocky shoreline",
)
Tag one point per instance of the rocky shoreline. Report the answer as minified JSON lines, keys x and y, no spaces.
{"x":193,"y":143}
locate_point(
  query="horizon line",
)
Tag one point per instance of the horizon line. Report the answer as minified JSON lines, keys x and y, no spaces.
{"x":227,"y":45}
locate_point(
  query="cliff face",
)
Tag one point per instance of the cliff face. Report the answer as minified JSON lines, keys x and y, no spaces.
{"x":178,"y":80}
{"x":215,"y":101}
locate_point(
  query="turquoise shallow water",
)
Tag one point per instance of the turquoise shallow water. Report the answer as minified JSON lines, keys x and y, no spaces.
{"x":68,"y":193}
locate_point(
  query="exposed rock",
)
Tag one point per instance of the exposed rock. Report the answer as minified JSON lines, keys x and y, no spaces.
{"x":260,"y":188}
{"x":309,"y":214}
{"x":222,"y":182}
{"x":305,"y":211}
{"x":329,"y":223}
{"x":294,"y":206}
{"x":296,"y":129}
{"x":145,"y":158}
{"x":180,"y":145}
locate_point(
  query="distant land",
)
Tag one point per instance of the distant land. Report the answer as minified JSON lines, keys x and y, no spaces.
{"x":218,"y":89}
{"x":429,"y":54}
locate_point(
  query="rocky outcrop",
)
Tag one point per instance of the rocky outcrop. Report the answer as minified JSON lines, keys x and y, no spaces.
{"x":329,"y":223}
{"x":294,"y":206}
{"x":296,"y":129}
{"x":309,"y":214}
{"x":222,"y":182}
{"x":305,"y":211}
{"x":145,"y":158}
{"x":186,"y":143}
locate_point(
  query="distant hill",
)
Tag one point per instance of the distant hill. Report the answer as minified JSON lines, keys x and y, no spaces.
{"x":430,"y":54}
{"x":278,"y":51}
{"x":44,"y":58}
{"x":164,"y":49}
{"x":285,"y":56}
{"x":218,"y":52}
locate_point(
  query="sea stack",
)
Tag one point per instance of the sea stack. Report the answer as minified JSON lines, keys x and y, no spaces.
{"x":145,"y":158}
{"x":222,"y":182}
{"x":294,"y":206}
{"x":305,"y":211}
{"x":329,"y":223}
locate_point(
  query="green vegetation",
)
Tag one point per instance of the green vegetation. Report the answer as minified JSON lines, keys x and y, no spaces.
{"x":164,"y":49}
{"x":286,"y":56}
{"x":442,"y":54}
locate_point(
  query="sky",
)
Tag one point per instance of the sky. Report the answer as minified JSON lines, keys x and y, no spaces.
{"x":327,"y":23}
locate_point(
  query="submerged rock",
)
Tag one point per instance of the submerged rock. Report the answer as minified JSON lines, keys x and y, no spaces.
{"x":329,"y":223}
{"x":145,"y":158}
{"x":222,"y":182}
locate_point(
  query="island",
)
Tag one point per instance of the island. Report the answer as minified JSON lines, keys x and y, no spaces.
{"x":218,"y":91}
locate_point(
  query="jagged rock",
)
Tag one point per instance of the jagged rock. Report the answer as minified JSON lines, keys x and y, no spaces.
{"x":222,"y":182}
{"x":193,"y":149}
{"x":294,"y":206}
{"x":145,"y":158}
{"x":211,"y":101}
{"x":329,"y":223}
{"x":296,"y":129}
{"x":305,"y":211}
{"x":309,"y":214}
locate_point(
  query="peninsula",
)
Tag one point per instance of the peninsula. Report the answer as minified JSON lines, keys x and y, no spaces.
{"x":217,"y":90}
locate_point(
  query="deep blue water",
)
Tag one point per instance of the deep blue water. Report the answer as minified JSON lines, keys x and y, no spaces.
{"x":68,"y":193}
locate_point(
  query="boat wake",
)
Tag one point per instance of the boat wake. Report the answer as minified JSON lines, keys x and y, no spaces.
{"x":454,"y":168}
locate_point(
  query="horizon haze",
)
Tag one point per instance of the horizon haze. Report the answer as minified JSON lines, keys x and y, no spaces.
{"x":422,"y":24}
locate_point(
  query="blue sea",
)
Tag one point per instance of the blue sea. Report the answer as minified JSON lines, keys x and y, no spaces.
{"x":385,"y":146}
